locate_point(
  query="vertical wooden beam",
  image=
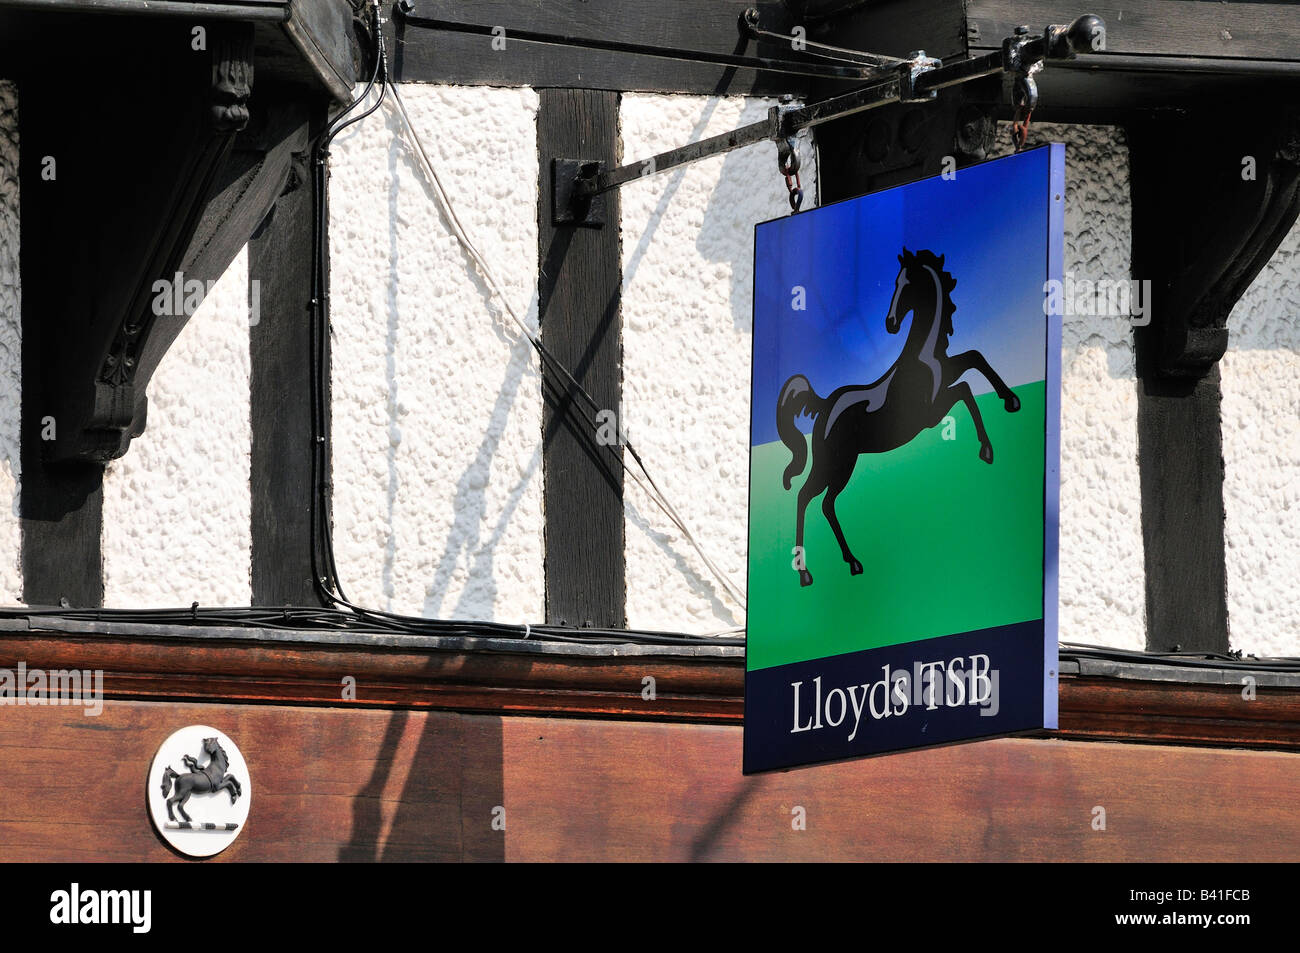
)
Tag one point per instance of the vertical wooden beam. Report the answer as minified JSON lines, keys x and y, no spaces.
{"x":280,"y":275}
{"x":61,"y":503}
{"x":1209,"y":210}
{"x":1180,"y":459}
{"x":579,"y":293}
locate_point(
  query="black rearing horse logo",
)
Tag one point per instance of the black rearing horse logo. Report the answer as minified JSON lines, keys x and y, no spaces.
{"x":208,"y":779}
{"x":915,"y":393}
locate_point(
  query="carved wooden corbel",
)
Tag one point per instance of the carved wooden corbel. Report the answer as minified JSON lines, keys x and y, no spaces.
{"x":154,"y":199}
{"x":1214,"y":193}
{"x":206,"y":123}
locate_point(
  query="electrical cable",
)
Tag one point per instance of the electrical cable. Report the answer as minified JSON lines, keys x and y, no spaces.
{"x":298,"y":618}
{"x":648,"y":484}
{"x":1208,"y":660}
{"x":339,"y":613}
{"x":729,"y":60}
{"x":325,"y":571}
{"x":825,"y":50}
{"x":320,"y":510}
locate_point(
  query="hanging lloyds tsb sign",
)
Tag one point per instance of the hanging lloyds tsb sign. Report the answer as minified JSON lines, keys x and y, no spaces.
{"x":904,"y":467}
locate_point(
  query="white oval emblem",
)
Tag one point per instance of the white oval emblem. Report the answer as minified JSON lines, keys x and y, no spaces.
{"x":199,"y":791}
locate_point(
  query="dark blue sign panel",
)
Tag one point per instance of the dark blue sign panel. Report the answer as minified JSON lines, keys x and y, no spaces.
{"x":904,"y":466}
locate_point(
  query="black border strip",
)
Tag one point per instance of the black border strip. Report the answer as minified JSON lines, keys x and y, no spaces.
{"x":280,"y":385}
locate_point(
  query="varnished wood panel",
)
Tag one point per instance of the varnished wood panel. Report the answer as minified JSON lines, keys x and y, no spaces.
{"x":399,"y":785}
{"x":685,"y":689}
{"x":326,"y":786}
{"x":660,"y":792}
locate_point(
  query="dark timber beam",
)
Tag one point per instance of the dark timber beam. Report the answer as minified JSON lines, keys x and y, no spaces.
{"x":579,"y":293}
{"x":280,"y":279}
{"x":1226,"y":29}
{"x":1214,"y":193}
{"x":1159,"y":53}
{"x":423,"y":55}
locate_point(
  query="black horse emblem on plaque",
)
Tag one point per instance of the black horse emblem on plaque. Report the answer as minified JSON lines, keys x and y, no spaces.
{"x":208,"y":779}
{"x":916,"y":393}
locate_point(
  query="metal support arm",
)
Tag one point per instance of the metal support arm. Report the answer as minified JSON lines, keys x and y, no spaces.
{"x":917,"y":78}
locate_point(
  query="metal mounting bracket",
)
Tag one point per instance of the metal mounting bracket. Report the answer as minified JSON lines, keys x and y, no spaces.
{"x":578,"y":184}
{"x":568,"y":206}
{"x":917,"y":65}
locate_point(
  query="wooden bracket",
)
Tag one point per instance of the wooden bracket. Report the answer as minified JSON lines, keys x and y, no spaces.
{"x":152,"y":200}
{"x":1214,"y":193}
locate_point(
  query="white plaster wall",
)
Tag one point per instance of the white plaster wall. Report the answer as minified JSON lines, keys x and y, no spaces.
{"x":1261,"y":453}
{"x":176,"y":507}
{"x":437,"y":411}
{"x":1102,"y":572}
{"x":11,"y":583}
{"x":688,"y":250}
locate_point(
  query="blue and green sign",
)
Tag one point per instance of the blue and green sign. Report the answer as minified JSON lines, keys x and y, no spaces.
{"x":904,"y":467}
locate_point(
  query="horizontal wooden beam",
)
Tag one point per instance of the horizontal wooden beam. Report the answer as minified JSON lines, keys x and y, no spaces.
{"x":1154,"y":28}
{"x":645,"y":687}
{"x":425,"y":55}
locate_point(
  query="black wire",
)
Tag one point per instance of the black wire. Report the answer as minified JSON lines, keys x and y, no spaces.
{"x":326,"y":577}
{"x":337,"y":612}
{"x":619,"y":47}
{"x":1209,"y":660}
{"x":298,"y":618}
{"x":329,"y":588}
{"x":827,"y":52}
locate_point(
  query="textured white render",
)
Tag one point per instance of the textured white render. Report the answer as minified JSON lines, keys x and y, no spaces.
{"x":437,"y":412}
{"x":11,"y":583}
{"x":687,"y":252}
{"x":1261,"y":453}
{"x":176,"y":507}
{"x":688,"y":265}
{"x":1102,"y":573}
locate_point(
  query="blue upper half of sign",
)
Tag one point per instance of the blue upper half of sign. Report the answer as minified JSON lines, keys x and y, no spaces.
{"x":823,"y":280}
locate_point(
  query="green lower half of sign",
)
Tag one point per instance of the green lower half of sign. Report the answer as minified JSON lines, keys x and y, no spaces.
{"x":948,"y":543}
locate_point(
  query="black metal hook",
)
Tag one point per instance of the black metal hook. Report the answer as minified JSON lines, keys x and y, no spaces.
{"x":787,"y":156}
